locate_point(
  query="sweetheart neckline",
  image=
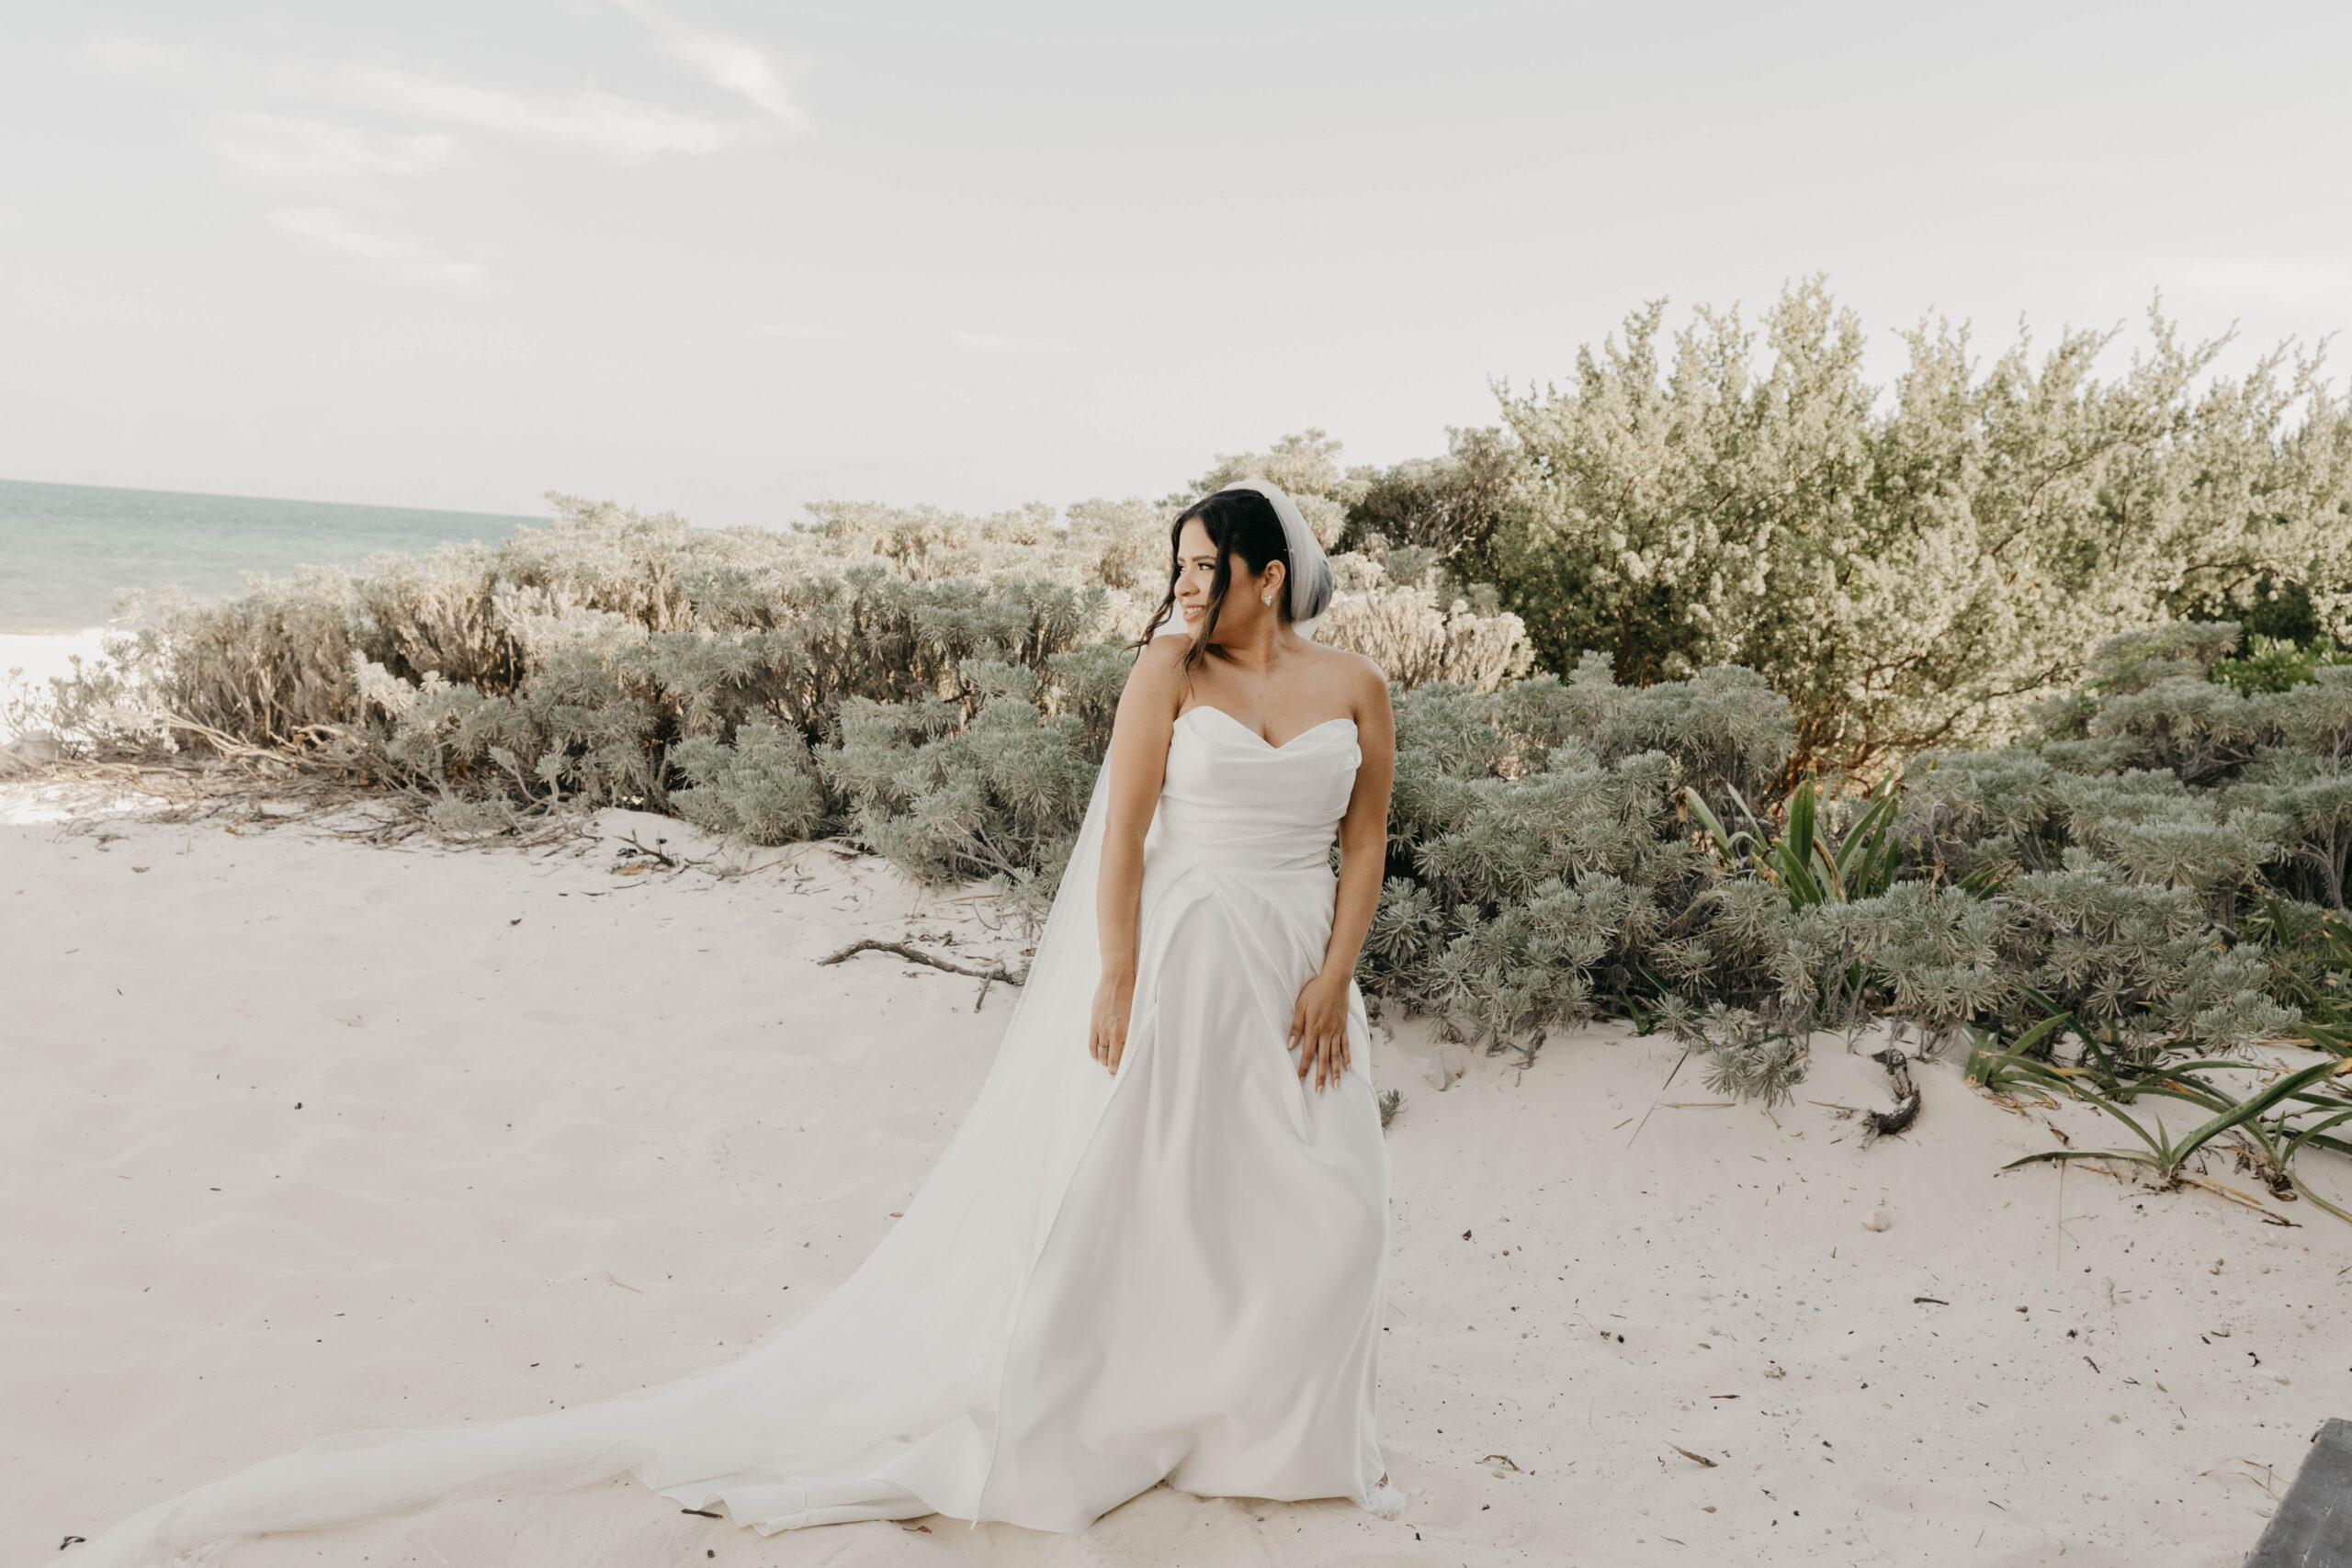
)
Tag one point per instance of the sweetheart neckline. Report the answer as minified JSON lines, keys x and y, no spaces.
{"x":1212,"y":707}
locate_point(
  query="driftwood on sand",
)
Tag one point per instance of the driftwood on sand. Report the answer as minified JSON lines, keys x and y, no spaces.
{"x":987,"y":977}
{"x":1906,"y":1095}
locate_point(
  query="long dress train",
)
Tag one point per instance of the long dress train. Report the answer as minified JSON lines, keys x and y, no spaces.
{"x":1106,"y":1282}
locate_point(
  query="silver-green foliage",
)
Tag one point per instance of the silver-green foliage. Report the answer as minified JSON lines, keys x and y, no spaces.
{"x":1911,"y":564}
{"x":618,"y":657}
{"x":1553,"y":857}
{"x":763,"y":787}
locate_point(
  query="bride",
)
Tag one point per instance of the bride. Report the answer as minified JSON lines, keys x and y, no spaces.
{"x":1154,"y":1252}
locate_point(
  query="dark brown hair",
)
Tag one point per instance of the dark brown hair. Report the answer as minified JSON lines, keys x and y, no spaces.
{"x":1240,"y":522}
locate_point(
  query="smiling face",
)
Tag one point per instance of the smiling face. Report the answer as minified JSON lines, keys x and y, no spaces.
{"x":1245,"y":606}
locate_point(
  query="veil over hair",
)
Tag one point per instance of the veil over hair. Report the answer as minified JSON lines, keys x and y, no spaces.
{"x":1311,"y":583}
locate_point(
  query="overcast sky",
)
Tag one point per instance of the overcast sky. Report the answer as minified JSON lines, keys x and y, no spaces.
{"x":727,"y":257}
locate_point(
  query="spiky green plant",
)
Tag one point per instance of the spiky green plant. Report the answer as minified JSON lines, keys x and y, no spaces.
{"x":1812,"y":865}
{"x":2273,"y":1144}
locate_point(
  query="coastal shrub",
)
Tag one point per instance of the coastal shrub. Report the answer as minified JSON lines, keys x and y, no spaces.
{"x":1912,"y":566}
{"x":763,"y":787}
{"x":613,"y":656}
{"x":1554,"y":856}
{"x":2279,"y":664}
{"x":999,"y":797}
{"x":1452,"y":507}
{"x":1426,"y":633}
{"x":994,"y":788}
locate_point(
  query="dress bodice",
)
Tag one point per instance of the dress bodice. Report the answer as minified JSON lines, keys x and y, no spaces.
{"x":1232,"y":799}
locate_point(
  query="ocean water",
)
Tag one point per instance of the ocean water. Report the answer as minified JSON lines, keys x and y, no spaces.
{"x":65,"y":549}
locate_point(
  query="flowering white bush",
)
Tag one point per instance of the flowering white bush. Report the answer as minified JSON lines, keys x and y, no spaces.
{"x":1912,"y":566}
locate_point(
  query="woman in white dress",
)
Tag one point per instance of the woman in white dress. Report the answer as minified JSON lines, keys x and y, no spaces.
{"x":1154,"y":1252}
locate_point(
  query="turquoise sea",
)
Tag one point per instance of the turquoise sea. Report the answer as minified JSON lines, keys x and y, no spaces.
{"x":64,"y":550}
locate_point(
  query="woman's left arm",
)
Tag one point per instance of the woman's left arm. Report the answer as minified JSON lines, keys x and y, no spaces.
{"x":1319,"y":1021}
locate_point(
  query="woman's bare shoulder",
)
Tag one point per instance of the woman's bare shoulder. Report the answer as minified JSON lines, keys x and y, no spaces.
{"x":1360,"y":675}
{"x":1160,"y":665}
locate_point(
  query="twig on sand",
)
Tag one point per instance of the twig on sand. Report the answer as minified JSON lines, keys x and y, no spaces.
{"x":667,"y":861}
{"x":1686,"y":1453}
{"x":915,"y":956}
{"x":987,"y":977}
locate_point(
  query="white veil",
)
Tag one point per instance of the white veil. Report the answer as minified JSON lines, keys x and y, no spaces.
{"x":879,"y":1404}
{"x":1311,"y":582}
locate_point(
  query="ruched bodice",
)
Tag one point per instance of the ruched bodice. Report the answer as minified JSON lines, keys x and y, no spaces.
{"x":1234,"y":800}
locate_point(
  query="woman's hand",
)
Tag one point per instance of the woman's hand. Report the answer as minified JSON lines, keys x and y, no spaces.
{"x":1107,"y":1034}
{"x":1318,"y":1029}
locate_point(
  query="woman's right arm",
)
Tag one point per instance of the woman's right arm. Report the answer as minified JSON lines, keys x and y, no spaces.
{"x":1138,"y":762}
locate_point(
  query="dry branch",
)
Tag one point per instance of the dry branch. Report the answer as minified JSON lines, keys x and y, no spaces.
{"x":987,"y":977}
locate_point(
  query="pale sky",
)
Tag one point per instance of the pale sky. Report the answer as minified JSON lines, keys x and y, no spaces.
{"x":727,"y":257}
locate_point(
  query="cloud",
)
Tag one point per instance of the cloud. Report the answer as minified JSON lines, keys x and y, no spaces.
{"x":337,"y":172}
{"x":288,"y":150}
{"x":739,"y":67}
{"x":627,"y":130}
{"x":792,"y":330}
{"x":997,"y":342}
{"x":142,"y":60}
{"x":348,"y":164}
{"x":383,"y":251}
{"x":624,"y":128}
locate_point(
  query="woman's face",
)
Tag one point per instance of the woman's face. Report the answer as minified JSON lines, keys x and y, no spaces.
{"x":1196,"y":577}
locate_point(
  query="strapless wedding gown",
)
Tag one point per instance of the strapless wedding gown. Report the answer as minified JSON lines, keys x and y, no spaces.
{"x":1172,"y":1275}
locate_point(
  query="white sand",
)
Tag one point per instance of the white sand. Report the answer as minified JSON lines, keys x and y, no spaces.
{"x":551,"y":1146}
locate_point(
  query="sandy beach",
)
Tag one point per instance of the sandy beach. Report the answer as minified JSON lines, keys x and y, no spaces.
{"x":309,"y":1136}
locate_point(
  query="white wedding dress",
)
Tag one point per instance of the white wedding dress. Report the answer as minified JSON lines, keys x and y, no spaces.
{"x":1172,"y":1275}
